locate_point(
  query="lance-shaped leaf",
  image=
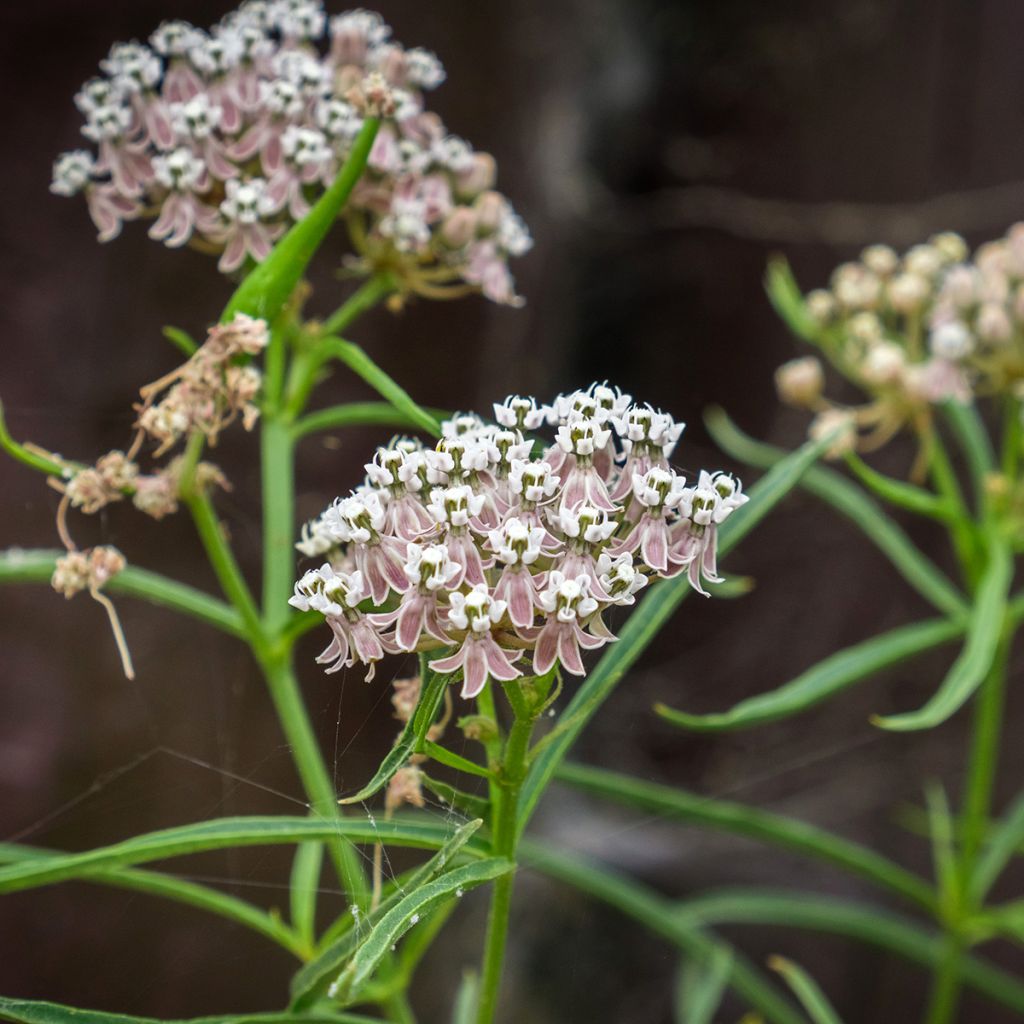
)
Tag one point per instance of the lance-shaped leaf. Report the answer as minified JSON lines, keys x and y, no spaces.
{"x":807,"y":990}
{"x":216,"y":835}
{"x":851,"y":502}
{"x":984,"y":629}
{"x":467,"y":1000}
{"x":1003,"y":842}
{"x":764,"y":826}
{"x":268,"y":286}
{"x":654,"y":611}
{"x":785,"y":295}
{"x":411,"y":739}
{"x":780,"y":908}
{"x":30,"y":1011}
{"x":405,"y":915}
{"x":361,"y":364}
{"x":830,"y":676}
{"x":700,"y":987}
{"x":312,"y":980}
{"x":899,"y":493}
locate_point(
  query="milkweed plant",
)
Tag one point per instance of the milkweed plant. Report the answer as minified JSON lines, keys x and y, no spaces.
{"x":522,"y":556}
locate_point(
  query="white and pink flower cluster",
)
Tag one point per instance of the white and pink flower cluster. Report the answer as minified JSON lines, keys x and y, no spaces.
{"x":503,"y":554}
{"x":929,"y":326}
{"x":225,"y":138}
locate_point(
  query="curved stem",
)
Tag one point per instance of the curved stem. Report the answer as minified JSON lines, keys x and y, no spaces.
{"x":505,"y":834}
{"x":358,"y":414}
{"x":368,"y":295}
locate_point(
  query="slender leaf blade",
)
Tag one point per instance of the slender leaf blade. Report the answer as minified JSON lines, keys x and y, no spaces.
{"x":830,"y":676}
{"x":763,"y":826}
{"x":654,"y":611}
{"x":312,"y":980}
{"x":405,"y":915}
{"x":215,"y":835}
{"x":700,"y":987}
{"x":984,"y":629}
{"x":268,"y":286}
{"x":1004,"y":841}
{"x":411,"y":739}
{"x":467,"y":1000}
{"x":785,"y":295}
{"x":852,"y":503}
{"x":807,"y":990}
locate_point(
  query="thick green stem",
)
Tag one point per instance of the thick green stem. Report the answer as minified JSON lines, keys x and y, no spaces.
{"x":368,"y":295}
{"x":505,"y":834}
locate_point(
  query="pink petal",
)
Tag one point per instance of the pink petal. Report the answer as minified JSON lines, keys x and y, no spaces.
{"x":569,"y":652}
{"x":474,"y":669}
{"x":547,"y":649}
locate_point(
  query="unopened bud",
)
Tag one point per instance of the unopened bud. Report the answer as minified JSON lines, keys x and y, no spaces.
{"x":800,"y":382}
{"x":837,"y":422}
{"x":880,"y":259}
{"x":820,"y":305}
{"x":950,"y":246}
{"x":481,"y":176}
{"x":883,"y":364}
{"x":490,"y":211}
{"x":907,"y":292}
{"x":459,"y":227}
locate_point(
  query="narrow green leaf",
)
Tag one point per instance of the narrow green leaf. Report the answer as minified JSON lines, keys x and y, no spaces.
{"x":1003,"y":842}
{"x":363,"y":366}
{"x":785,"y":295}
{"x":467,"y":999}
{"x":215,"y":835}
{"x":181,"y":340}
{"x":700,"y":987}
{"x":36,"y":566}
{"x":467,"y":803}
{"x":29,"y":1011}
{"x":645,"y":906}
{"x":169,"y":887}
{"x":268,"y":286}
{"x":851,"y":502}
{"x":764,"y":826}
{"x":405,"y":915}
{"x":1006,"y":919}
{"x":461,"y":764}
{"x":411,"y":739}
{"x":830,"y":676}
{"x":984,"y":629}
{"x":23,"y":455}
{"x":304,"y":890}
{"x":312,"y":981}
{"x":870,"y":924}
{"x":656,"y":608}
{"x":899,"y":493}
{"x":359,"y":414}
{"x":940,"y":830}
{"x":807,"y":990}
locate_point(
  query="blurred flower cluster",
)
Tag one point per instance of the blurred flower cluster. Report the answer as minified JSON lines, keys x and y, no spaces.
{"x":926,"y":327}
{"x":225,"y":138}
{"x":484,"y":546}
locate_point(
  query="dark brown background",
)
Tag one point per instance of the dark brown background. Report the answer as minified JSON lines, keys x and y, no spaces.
{"x":638,"y":139}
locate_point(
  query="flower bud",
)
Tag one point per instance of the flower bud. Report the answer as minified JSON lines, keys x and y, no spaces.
{"x":490,"y":211}
{"x":993,"y":324}
{"x":855,"y":286}
{"x":907,"y":292}
{"x":865,"y":327}
{"x":820,"y":305}
{"x":800,"y":382}
{"x":924,"y":260}
{"x":951,"y":340}
{"x":950,"y":246}
{"x":459,"y":227}
{"x":960,"y":286}
{"x":839,"y":422}
{"x":481,"y":176}
{"x":883,"y":364}
{"x":880,"y":259}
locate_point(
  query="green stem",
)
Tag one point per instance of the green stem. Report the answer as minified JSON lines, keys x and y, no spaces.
{"x":505,"y":835}
{"x":278,"y":482}
{"x":358,"y":414}
{"x":368,"y":295}
{"x":988,"y":712}
{"x":961,"y":534}
{"x":317,"y":782}
{"x":226,"y":568}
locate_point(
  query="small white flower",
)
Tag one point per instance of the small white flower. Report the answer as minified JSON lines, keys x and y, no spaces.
{"x":338,"y":119}
{"x":196,"y":119}
{"x":422,"y":69}
{"x":568,"y":598}
{"x":429,"y":566}
{"x":516,"y":543}
{"x":133,"y":66}
{"x":658,"y":488}
{"x":582,"y":437}
{"x":179,"y":171}
{"x":175,"y":38}
{"x":620,"y":578}
{"x":951,"y":340}
{"x":107,"y":122}
{"x":305,"y":146}
{"x":72,"y":172}
{"x":586,"y":523}
{"x":535,"y":481}
{"x":454,"y":506}
{"x":247,"y":202}
{"x":476,"y":611}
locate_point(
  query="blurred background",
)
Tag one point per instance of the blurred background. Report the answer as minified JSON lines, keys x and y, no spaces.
{"x":660,"y":153}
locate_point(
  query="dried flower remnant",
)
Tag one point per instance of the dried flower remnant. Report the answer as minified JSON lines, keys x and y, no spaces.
{"x":225,"y":138}
{"x":90,"y":570}
{"x":509,"y":559}
{"x":930,"y":326}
